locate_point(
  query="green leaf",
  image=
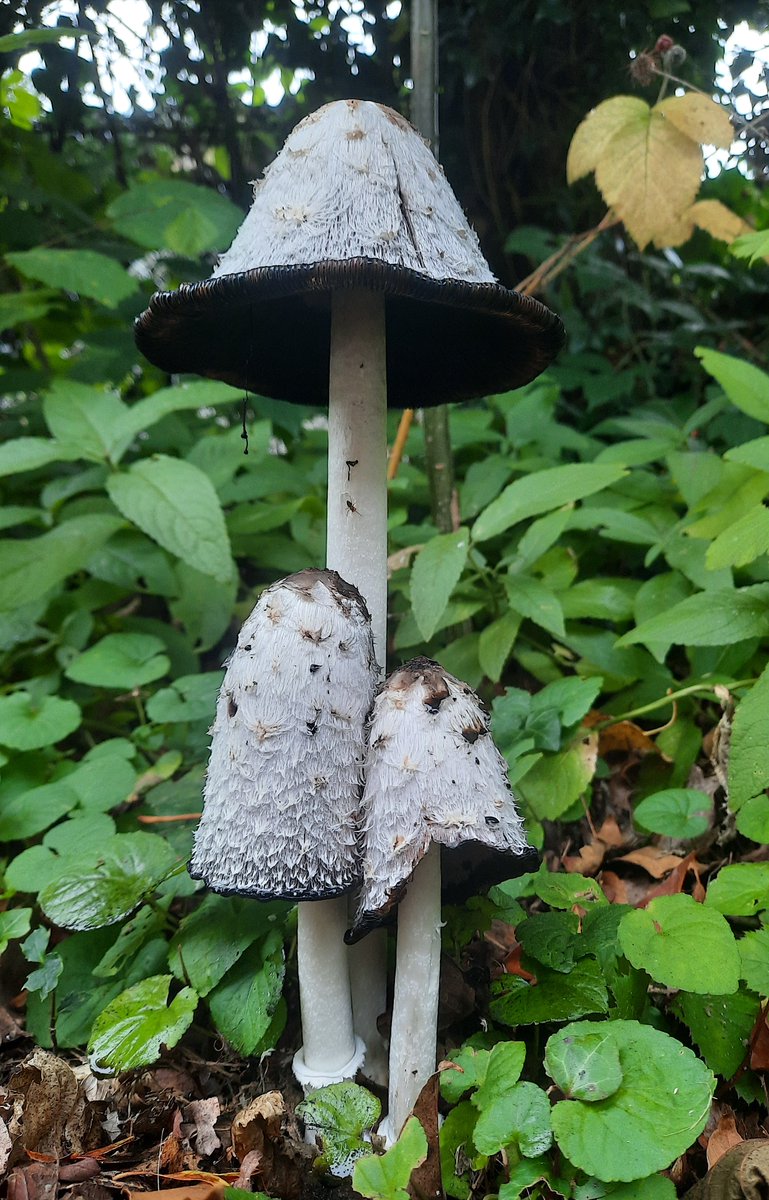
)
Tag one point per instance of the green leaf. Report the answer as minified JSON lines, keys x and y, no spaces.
{"x":741,"y":890}
{"x":742,"y":541}
{"x":563,"y":891}
{"x":200,"y":393}
{"x":31,"y":812}
{"x":753,"y":246}
{"x":244,"y":1003}
{"x":748,"y":768}
{"x":721,"y":1027}
{"x":175,"y":503}
{"x":682,"y":944}
{"x":174,"y":214}
{"x":676,"y":813}
{"x":719,"y":617}
{"x":102,"y":781}
{"x":754,"y":960}
{"x":530,"y":598}
{"x":655,"y":1114}
{"x":744,"y":384}
{"x":473,"y":1064}
{"x":585,"y":1065}
{"x":12,"y":43}
{"x":200,"y":954}
{"x":557,"y":780}
{"x":434,"y":576}
{"x":120,"y":660}
{"x":29,"y":453}
{"x":82,"y":271}
{"x":753,"y":820}
{"x":189,"y":698}
{"x":754,"y":453}
{"x":30,"y":568}
{"x":14,"y":923}
{"x":134,"y":1026}
{"x":338,"y":1116}
{"x":45,"y":978}
{"x":109,"y":884}
{"x":520,"y":1117}
{"x":83,"y":419}
{"x":542,"y":492}
{"x":496,"y":642}
{"x":501,"y":1071}
{"x":204,"y":607}
{"x":27,"y":724}
{"x":550,"y":938}
{"x":385,"y":1176}
{"x":555,"y":997}
{"x":455,"y":1136}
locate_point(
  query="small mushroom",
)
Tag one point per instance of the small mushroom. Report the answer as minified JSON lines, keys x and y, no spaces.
{"x":435,"y":782}
{"x":282,"y":793}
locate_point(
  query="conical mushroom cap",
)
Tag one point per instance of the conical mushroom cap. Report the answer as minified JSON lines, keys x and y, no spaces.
{"x":355,"y":199}
{"x":433,"y":774}
{"x":282,"y":793}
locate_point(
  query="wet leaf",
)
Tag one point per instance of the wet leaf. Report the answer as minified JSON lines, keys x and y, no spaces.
{"x":130,"y":1031}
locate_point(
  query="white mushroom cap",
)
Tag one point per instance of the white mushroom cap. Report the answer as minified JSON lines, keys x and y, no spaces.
{"x":354,"y":200}
{"x":433,"y":774}
{"x":282,"y":793}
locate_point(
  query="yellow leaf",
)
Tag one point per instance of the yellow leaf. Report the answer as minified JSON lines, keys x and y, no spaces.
{"x":594,"y":133}
{"x":649,"y":173}
{"x":699,"y":118}
{"x":717,"y":220}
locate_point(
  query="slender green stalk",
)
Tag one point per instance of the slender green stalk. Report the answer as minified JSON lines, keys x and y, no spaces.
{"x":670,"y":698}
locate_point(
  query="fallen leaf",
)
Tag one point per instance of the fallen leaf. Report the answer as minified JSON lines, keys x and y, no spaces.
{"x":590,"y":858}
{"x":651,"y":859}
{"x":251,"y":1167}
{"x":201,"y":1116}
{"x":5,"y":1145}
{"x":425,"y":1182}
{"x":259,"y":1121}
{"x":614,"y":889}
{"x":36,"y":1181}
{"x":625,"y":736}
{"x":213,"y":1190}
{"x":759,"y":1050}
{"x":78,"y":1170}
{"x":50,"y":1105}
{"x":677,"y":879}
{"x":723,"y":1137}
{"x":740,"y":1174}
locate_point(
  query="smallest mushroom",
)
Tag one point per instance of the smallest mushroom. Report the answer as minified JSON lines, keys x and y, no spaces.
{"x":434,"y":775}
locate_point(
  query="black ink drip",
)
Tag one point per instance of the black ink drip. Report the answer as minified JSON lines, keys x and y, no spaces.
{"x":244,"y":434}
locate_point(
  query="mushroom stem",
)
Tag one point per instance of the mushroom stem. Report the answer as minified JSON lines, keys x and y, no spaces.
{"x":357,"y":549}
{"x":415,"y":1003}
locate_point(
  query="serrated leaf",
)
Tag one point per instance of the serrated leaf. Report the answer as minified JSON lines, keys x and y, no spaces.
{"x":434,"y":576}
{"x":174,"y":503}
{"x":596,"y":130}
{"x":584,"y":1065}
{"x":716,"y":219}
{"x":550,"y":938}
{"x":157,"y":213}
{"x":134,"y":1026}
{"x":29,"y":453}
{"x":753,"y":246}
{"x":748,"y":767}
{"x":754,"y":960}
{"x":339,"y":1115}
{"x":473,"y":1064}
{"x":83,"y":271}
{"x":555,"y":997}
{"x":675,"y":812}
{"x":29,"y":724}
{"x":244,"y":1003}
{"x":742,"y":541}
{"x":656,"y":1113}
{"x":542,"y":492}
{"x":532,"y":599}
{"x":519,"y":1117}
{"x":496,"y":643}
{"x":563,"y":891}
{"x":31,"y":567}
{"x":120,"y":660}
{"x":85,"y":419}
{"x":720,"y":1027}
{"x":385,"y":1176}
{"x":700,"y":118}
{"x":200,"y":393}
{"x":745,"y":385}
{"x":198,"y":953}
{"x":719,"y":617}
{"x":110,"y":883}
{"x":741,"y":890}
{"x":682,"y":944}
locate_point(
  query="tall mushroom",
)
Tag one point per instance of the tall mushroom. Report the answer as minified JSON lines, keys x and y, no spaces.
{"x":355,"y":280}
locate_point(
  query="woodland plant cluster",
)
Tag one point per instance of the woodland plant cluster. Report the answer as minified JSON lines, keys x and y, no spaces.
{"x":605,"y":588}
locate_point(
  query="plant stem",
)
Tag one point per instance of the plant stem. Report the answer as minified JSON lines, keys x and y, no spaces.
{"x":670,"y":698}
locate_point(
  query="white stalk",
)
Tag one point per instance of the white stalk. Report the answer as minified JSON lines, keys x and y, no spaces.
{"x":413,"y":1037}
{"x":357,"y":549}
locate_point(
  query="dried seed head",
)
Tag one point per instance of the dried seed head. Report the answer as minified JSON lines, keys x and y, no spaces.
{"x":433,"y":774}
{"x":282,"y":793}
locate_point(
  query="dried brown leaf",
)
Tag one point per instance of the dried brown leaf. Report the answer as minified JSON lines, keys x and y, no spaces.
{"x":723,"y":1137}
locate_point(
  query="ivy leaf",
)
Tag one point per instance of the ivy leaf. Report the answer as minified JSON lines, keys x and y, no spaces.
{"x":675,"y":812}
{"x":29,"y":724}
{"x":434,"y":576}
{"x":120,"y":660}
{"x":584,"y":1065}
{"x":134,"y":1026}
{"x":339,"y":1115}
{"x":385,"y":1176}
{"x":83,"y":271}
{"x":174,"y":503}
{"x":542,"y":492}
{"x":741,"y":890}
{"x":655,"y":1114}
{"x":556,"y":997}
{"x":109,"y":884}
{"x":682,"y":944}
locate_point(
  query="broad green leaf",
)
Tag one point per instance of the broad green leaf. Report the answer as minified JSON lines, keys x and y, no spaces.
{"x":654,"y":1187}
{"x":720,"y":1026}
{"x":741,"y":542}
{"x":83,"y":419}
{"x":675,"y":812}
{"x":542,"y":492}
{"x":496,"y":642}
{"x":109,"y":883}
{"x":385,"y":1176}
{"x":753,"y":819}
{"x":571,"y":696}
{"x":14,"y":923}
{"x":754,"y":960}
{"x":175,"y":503}
{"x":746,"y":386}
{"x":29,"y":453}
{"x":83,"y":271}
{"x":31,"y":812}
{"x":555,"y":997}
{"x":434,"y":576}
{"x":530,"y":598}
{"x":455,"y":1134}
{"x":211,"y":939}
{"x":719,"y":617}
{"x":550,"y":938}
{"x":741,"y":890}
{"x":518,"y":1116}
{"x":655,"y":1114}
{"x":748,"y":767}
{"x":189,"y":698}
{"x":102,"y":781}
{"x":244,"y":1003}
{"x":134,"y":1026}
{"x":557,"y":780}
{"x":682,"y":944}
{"x":203,"y":606}
{"x":585,"y":1066}
{"x":753,"y":246}
{"x":501,"y":1071}
{"x":563,"y":891}
{"x":171,"y":213}
{"x":200,"y":393}
{"x":29,"y":568}
{"x":29,"y":724}
{"x":145,"y":924}
{"x":473,"y":1064}
{"x":602,"y":599}
{"x":120,"y":660}
{"x":750,"y":454}
{"x":12,"y":43}
{"x":338,"y":1116}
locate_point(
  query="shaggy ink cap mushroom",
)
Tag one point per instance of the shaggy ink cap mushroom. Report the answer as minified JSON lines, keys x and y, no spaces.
{"x":354,"y":200}
{"x":282,"y":792}
{"x":434,"y":776}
